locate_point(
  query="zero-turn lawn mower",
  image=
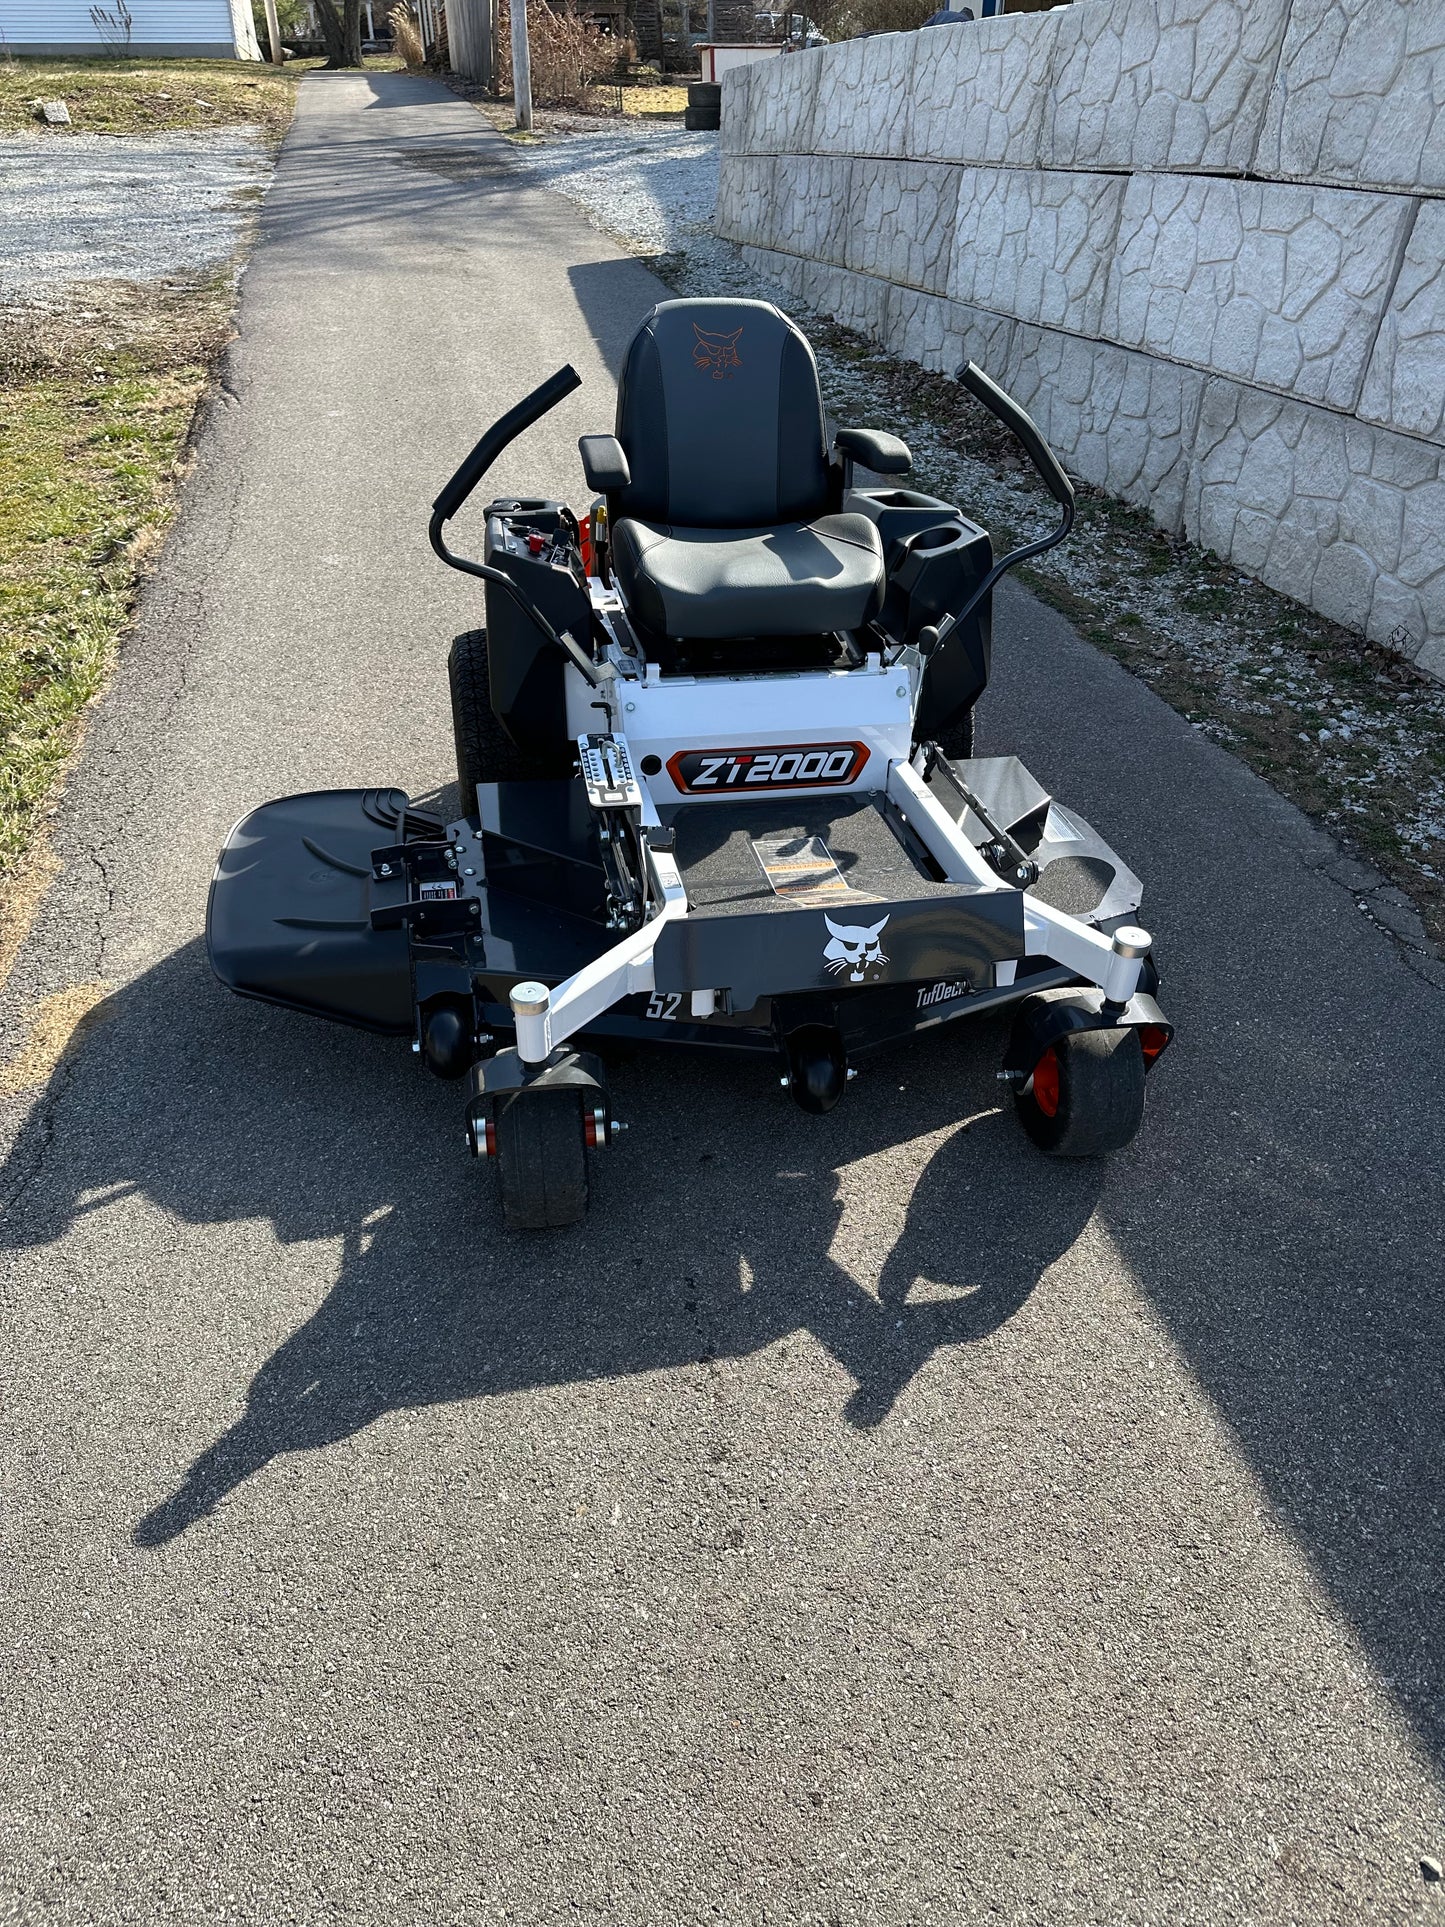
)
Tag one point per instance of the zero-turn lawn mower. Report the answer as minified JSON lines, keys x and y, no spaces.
{"x":716,"y":757}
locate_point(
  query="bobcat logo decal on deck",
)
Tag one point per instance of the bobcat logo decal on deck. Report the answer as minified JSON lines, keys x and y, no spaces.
{"x":854,"y":947}
{"x":716,"y":355}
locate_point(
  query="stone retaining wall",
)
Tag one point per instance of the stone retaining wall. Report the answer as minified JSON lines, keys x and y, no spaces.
{"x":1203,"y":241}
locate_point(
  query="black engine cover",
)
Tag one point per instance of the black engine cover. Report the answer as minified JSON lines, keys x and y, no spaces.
{"x":526,"y":670}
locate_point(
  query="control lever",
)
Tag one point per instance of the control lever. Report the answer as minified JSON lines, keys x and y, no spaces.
{"x":502,"y":432}
{"x":1005,"y":409}
{"x":933,"y":636}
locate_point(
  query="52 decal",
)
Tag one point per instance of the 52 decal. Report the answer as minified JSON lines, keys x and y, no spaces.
{"x":706,"y":772}
{"x":665,"y":1004}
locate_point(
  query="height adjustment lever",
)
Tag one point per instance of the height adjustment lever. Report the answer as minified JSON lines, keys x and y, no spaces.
{"x":607,"y":771}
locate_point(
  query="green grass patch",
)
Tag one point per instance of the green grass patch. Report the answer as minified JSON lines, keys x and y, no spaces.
{"x":97,"y":394}
{"x":90,"y":465}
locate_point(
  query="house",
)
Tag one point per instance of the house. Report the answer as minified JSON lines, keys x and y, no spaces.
{"x":201,"y":29}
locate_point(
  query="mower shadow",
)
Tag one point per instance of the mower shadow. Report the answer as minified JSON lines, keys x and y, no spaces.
{"x":434,"y":1302}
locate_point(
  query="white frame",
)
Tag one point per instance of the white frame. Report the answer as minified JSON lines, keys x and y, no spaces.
{"x":628,"y":968}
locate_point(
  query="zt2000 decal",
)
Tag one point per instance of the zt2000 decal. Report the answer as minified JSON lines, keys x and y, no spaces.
{"x":703,"y":772}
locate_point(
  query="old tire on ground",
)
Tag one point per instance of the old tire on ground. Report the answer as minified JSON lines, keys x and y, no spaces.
{"x":704,"y":93}
{"x":1086,"y":1097}
{"x":701,"y":120}
{"x":542,"y":1161}
{"x":485,"y":752}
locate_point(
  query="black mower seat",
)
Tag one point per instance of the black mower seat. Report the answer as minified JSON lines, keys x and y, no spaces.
{"x":721,"y":497}
{"x":797,"y":579}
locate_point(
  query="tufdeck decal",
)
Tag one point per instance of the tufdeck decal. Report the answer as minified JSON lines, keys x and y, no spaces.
{"x":792,"y":766}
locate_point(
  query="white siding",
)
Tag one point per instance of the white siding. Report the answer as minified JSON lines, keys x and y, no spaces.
{"x":202,"y":25}
{"x":248,"y":47}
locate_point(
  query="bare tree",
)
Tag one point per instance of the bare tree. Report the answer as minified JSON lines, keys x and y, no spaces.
{"x":341,"y":32}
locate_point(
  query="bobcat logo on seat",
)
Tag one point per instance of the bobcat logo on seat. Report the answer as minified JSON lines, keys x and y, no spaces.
{"x":716,"y":355}
{"x":854,"y":948}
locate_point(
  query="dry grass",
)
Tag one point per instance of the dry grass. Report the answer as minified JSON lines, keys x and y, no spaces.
{"x":653,"y":103}
{"x":54,"y":1025}
{"x":22,"y":890}
{"x":406,"y":40}
{"x":148,"y":96}
{"x":152,"y":324}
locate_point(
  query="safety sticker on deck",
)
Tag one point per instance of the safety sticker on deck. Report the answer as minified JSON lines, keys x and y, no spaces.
{"x":797,"y":864}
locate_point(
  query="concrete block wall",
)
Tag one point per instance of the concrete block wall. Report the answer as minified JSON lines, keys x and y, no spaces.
{"x":1203,"y":241}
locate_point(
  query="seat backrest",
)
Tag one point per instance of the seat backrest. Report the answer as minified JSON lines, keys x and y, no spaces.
{"x":719,"y":411}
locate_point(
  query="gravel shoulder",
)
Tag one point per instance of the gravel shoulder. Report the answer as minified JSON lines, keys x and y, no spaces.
{"x":132,"y":208}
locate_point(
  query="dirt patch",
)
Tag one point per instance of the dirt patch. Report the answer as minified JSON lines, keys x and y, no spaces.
{"x":152,"y":325}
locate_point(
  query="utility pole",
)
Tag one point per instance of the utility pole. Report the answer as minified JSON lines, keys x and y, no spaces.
{"x":521,"y":66}
{"x":273,"y":35}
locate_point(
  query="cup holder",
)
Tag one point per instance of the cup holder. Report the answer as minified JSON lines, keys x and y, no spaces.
{"x":946,"y":536}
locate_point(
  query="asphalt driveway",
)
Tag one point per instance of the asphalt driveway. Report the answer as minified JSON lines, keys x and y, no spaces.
{"x":860,"y":1520}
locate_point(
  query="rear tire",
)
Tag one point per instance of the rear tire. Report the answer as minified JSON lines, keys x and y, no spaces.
{"x":702,"y":120}
{"x":1087,"y":1094}
{"x":485,"y":752}
{"x":957,"y":740}
{"x":542,"y":1161}
{"x":704,"y":93}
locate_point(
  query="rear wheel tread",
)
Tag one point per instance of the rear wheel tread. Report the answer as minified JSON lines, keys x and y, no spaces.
{"x":957,"y":741}
{"x":485,"y":752}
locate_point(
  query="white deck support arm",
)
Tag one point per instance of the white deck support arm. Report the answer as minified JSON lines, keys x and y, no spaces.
{"x":1113,"y":963}
{"x":619,"y":972}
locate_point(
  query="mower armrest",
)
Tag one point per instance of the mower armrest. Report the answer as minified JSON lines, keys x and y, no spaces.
{"x":604,"y":463}
{"x":884,"y":454}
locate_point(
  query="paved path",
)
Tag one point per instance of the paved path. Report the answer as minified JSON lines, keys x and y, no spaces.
{"x":861,"y":1521}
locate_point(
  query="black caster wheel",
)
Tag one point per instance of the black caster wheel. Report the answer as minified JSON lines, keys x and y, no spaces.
{"x":1086,"y":1096}
{"x":541,"y":1152}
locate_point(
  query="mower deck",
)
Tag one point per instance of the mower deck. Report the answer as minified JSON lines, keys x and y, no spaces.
{"x":301,"y":914}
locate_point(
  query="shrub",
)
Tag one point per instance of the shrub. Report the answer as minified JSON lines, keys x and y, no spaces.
{"x":406,"y":39}
{"x":845,"y":19}
{"x":568,"y":53}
